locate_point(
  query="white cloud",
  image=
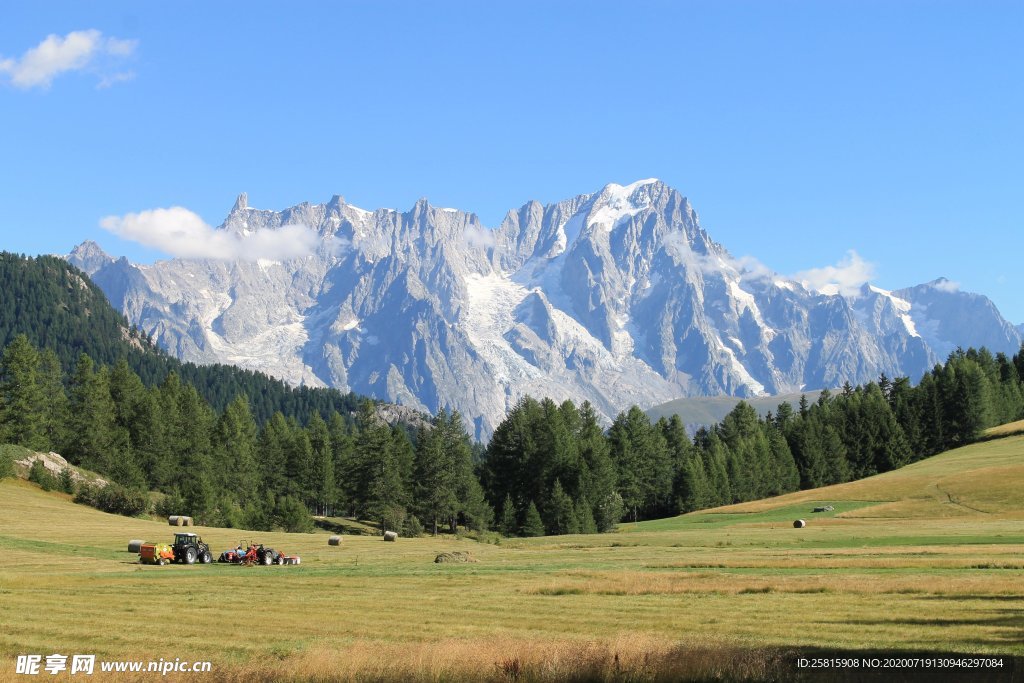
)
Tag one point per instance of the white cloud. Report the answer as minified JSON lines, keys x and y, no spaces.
{"x":478,"y":237}
{"x":747,"y":267}
{"x":845,"y":277}
{"x":181,"y":233}
{"x":114,"y":79}
{"x":77,"y":51}
{"x":944,"y":285}
{"x":752,"y":269}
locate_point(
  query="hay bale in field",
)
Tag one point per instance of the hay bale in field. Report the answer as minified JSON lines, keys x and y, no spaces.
{"x":334,"y":540}
{"x":819,"y":509}
{"x":188,"y":521}
{"x":390,"y":536}
{"x":176,"y":520}
{"x":135,"y":545}
{"x":456,"y":556}
{"x":824,"y":508}
{"x":799,"y":524}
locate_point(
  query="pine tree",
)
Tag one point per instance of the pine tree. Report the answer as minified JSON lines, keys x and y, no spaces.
{"x":477,"y":511}
{"x":322,"y":471}
{"x":54,"y":399}
{"x":372,"y":440}
{"x":562,"y":512}
{"x":508,"y":525}
{"x":680,"y":448}
{"x":644,"y":466}
{"x":472,"y":503}
{"x":298,"y":469}
{"x":235,"y":439}
{"x":386,"y":498}
{"x":273,"y":448}
{"x":91,"y":426}
{"x":434,"y":488}
{"x":533,"y":525}
{"x":585,"y":516}
{"x":692,"y":486}
{"x":599,"y":475}
{"x":22,"y":408}
{"x":342,"y":451}
{"x":195,"y":478}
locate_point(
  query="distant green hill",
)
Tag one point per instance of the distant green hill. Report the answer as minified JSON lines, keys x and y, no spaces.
{"x":709,"y":410}
{"x":57,"y":307}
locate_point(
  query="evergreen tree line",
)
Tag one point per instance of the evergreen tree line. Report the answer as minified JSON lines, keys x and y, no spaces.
{"x":549,"y":468}
{"x":57,"y":307}
{"x":552,"y":469}
{"x":224,"y":469}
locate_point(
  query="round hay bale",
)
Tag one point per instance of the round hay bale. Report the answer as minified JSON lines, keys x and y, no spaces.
{"x":188,"y":521}
{"x":135,"y":545}
{"x":334,"y":540}
{"x":390,"y":536}
{"x":799,"y":524}
{"x":176,"y":520}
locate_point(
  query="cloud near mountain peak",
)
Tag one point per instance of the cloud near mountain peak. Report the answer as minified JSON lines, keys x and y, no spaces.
{"x":181,"y":233}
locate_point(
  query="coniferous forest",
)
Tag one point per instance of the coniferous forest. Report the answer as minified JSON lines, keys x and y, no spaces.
{"x":239,"y":449}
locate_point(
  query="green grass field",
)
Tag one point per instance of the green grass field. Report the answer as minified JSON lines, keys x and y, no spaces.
{"x":927,"y":558}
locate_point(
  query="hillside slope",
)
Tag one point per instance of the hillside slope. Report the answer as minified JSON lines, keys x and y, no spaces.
{"x":977,"y":483}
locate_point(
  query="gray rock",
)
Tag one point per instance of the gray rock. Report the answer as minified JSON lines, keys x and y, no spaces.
{"x":617,"y":297}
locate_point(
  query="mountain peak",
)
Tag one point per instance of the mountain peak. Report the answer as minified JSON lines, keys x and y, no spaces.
{"x":89,"y":257}
{"x":241,"y":203}
{"x":88,"y":248}
{"x":944,"y":284}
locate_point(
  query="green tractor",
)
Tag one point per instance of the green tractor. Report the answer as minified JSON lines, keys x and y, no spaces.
{"x":189,"y":547}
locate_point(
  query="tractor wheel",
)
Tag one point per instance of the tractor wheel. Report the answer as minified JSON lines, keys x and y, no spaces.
{"x":268,"y":559}
{"x":190,"y":555}
{"x":280,"y":560}
{"x":206,"y":557}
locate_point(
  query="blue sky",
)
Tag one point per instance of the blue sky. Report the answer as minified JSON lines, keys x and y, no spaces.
{"x":799,"y":130}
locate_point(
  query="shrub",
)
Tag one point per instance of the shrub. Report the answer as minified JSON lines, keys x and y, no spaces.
{"x":171,"y":504}
{"x":38,"y":474}
{"x":609,"y":512}
{"x":66,"y":481}
{"x":87,"y":494}
{"x":393,"y":518}
{"x":122,"y":501}
{"x":113,"y":498}
{"x":412,"y":527}
{"x":293,"y":516}
{"x":6,"y":465}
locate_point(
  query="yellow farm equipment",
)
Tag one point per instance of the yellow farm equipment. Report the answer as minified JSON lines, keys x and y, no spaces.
{"x":156,"y":553}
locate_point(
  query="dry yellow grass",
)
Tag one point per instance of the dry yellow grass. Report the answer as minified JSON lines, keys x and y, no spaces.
{"x":1006,"y":429}
{"x":927,"y":558}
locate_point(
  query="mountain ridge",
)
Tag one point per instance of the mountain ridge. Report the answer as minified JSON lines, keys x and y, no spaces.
{"x":617,"y":297}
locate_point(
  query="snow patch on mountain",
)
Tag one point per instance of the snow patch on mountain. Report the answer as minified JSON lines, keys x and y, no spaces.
{"x":616,"y":297}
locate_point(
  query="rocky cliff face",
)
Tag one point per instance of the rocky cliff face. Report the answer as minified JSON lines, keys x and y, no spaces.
{"x":618,"y":297}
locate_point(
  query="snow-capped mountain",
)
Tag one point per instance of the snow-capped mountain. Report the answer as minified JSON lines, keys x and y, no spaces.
{"x":616,"y":297}
{"x":947,"y":318}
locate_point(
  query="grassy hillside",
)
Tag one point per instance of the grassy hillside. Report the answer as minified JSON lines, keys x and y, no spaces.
{"x":926,"y":558}
{"x":709,"y":410}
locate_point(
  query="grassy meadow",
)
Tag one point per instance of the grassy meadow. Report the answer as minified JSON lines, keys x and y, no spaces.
{"x":926,"y":558}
